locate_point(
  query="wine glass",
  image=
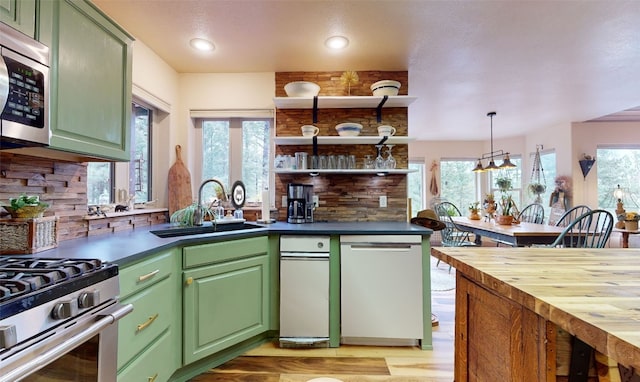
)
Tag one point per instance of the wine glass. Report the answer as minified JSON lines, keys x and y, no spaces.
{"x":390,"y":162}
{"x":380,"y":162}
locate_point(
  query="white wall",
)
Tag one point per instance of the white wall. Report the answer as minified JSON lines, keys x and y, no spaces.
{"x":585,"y":138}
{"x":429,"y":151}
{"x":217,"y":94}
{"x":156,"y":83}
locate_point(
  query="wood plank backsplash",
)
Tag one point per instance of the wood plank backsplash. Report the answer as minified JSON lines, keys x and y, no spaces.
{"x":64,"y":186}
{"x":346,"y":197}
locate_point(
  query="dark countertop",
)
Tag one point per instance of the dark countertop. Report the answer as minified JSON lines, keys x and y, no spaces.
{"x":129,"y":246}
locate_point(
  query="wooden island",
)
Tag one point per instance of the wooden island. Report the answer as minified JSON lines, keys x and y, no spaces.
{"x":511,"y":303}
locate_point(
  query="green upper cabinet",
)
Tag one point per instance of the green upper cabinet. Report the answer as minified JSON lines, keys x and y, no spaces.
{"x":90,"y":79}
{"x":20,"y":14}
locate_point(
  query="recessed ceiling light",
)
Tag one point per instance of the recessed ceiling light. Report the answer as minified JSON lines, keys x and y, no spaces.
{"x":336,"y":42}
{"x":201,"y":44}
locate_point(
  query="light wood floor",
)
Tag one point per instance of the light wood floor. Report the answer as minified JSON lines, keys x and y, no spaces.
{"x":269,"y":363}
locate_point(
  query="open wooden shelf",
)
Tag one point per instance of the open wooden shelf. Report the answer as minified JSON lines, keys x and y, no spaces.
{"x":341,"y":140}
{"x":342,"y":102}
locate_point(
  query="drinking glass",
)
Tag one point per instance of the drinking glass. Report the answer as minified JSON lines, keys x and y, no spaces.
{"x":379,"y":162}
{"x":351,"y":161}
{"x":368,"y":162}
{"x":390,"y":162}
{"x":342,"y":162}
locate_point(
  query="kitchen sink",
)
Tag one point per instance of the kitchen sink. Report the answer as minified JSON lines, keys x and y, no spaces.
{"x":209,"y":228}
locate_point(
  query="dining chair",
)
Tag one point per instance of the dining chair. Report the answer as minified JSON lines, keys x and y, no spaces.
{"x":449,"y":208}
{"x":452,"y":234}
{"x":571,"y":214}
{"x":533,"y":213}
{"x":589,"y":230}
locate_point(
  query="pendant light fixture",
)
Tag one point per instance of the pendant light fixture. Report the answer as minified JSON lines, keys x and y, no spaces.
{"x":506,"y":162}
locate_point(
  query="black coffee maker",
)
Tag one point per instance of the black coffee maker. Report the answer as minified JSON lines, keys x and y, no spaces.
{"x":300,"y":203}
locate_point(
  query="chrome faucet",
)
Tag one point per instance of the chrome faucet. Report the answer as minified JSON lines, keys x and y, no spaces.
{"x":197,"y":215}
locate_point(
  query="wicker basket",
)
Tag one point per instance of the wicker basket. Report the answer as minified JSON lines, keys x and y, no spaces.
{"x":26,"y":212}
{"x":23,"y":236}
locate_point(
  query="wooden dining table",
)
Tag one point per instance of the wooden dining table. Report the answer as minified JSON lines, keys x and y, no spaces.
{"x":625,"y":235}
{"x":518,"y":235}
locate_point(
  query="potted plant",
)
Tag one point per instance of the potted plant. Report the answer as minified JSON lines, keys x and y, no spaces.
{"x":537,"y":189}
{"x":186,"y":216}
{"x":504,"y":184}
{"x":26,"y":207}
{"x":473,"y":211}
{"x":505,"y":216}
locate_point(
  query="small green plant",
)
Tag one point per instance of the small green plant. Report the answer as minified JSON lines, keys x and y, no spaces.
{"x":503,"y":183}
{"x":24,"y":200}
{"x":537,"y":188}
{"x":474,"y":207}
{"x":186,"y":216}
{"x":507,"y":205}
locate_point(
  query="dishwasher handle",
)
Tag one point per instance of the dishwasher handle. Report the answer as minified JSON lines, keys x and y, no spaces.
{"x":387,"y":246}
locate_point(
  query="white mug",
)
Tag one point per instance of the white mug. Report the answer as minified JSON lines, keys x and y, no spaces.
{"x":386,"y":131}
{"x":309,"y":130}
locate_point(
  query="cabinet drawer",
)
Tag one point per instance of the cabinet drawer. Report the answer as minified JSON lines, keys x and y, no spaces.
{"x":198,"y":255}
{"x":154,"y":310}
{"x":157,"y":363}
{"x":146,"y":273}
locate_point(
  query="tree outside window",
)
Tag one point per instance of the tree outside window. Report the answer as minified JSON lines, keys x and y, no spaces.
{"x":618,"y":166}
{"x":458,"y":182}
{"x":415,"y":187}
{"x":221,"y":144}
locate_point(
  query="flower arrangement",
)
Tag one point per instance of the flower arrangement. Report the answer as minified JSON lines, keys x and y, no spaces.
{"x":631,"y":217}
{"x":474,"y":207}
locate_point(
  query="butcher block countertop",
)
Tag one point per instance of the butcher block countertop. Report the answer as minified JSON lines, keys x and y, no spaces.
{"x":593,"y":294}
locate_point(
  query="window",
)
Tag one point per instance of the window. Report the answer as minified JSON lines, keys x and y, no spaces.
{"x":140,"y":165}
{"x":459,"y":184}
{"x":618,"y":166}
{"x":100,"y":177}
{"x":515,"y":174}
{"x":415,"y":187}
{"x":236,"y":149}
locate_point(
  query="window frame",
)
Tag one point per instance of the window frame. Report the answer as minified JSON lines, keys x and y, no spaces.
{"x":235,"y":149}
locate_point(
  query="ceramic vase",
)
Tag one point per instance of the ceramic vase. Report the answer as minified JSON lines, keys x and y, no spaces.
{"x":504,"y":219}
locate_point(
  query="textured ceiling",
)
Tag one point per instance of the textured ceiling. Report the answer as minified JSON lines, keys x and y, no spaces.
{"x":537,"y":63}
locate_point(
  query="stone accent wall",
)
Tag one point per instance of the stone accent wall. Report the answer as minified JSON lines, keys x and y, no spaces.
{"x":64,"y":186}
{"x":345,"y":197}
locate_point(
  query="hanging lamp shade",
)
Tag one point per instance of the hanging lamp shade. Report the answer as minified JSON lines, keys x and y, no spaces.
{"x":479,"y":167}
{"x":491,"y":166}
{"x":506,"y":163}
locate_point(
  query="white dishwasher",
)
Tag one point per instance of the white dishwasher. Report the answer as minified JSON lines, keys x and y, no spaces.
{"x":304,"y":291}
{"x":381,"y":290}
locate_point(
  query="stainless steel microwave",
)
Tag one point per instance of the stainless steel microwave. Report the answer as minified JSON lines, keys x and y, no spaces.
{"x":24,"y":90}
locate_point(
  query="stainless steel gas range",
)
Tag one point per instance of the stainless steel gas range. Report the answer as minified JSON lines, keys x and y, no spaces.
{"x":58,"y":319}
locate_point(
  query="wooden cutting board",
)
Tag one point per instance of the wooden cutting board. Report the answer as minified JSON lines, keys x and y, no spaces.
{"x":180,"y":193}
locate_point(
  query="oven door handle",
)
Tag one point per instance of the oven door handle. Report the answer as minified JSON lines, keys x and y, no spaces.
{"x":54,"y":353}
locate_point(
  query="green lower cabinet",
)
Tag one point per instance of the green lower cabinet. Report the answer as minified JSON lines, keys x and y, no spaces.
{"x":19,"y":14}
{"x":90,"y":98}
{"x":225,"y":303}
{"x":153,"y":365}
{"x":149,"y":338}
